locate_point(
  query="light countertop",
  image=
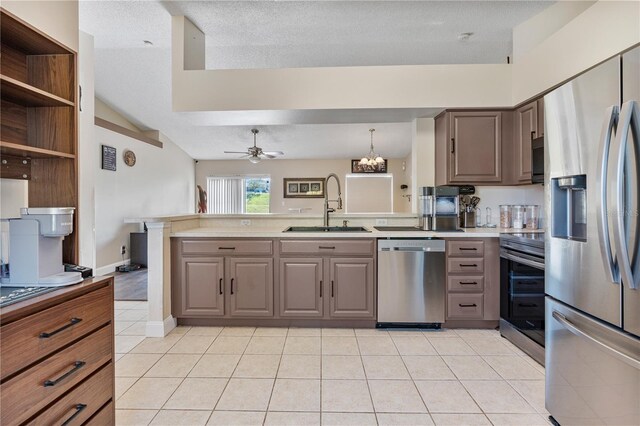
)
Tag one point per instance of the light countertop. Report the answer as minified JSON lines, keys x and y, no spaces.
{"x":276,"y":232}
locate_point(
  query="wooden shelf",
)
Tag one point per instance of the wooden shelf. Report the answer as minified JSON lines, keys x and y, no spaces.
{"x":18,"y":150}
{"x":23,"y":94}
{"x":20,"y":35}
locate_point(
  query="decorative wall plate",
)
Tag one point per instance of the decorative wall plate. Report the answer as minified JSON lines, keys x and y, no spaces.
{"x":129,"y":158}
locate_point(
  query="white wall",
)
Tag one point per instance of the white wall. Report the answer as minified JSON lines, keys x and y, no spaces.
{"x":160,"y":183}
{"x":279,"y":169}
{"x":600,"y":32}
{"x":58,"y":19}
{"x":88,"y":151}
{"x":493,"y":196}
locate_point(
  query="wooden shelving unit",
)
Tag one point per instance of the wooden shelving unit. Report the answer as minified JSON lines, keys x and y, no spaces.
{"x":38,"y":118}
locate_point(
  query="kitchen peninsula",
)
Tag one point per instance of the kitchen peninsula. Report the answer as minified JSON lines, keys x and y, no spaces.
{"x":207,"y":240}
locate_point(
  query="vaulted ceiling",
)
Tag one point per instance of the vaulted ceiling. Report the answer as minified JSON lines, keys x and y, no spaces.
{"x":134,"y":77}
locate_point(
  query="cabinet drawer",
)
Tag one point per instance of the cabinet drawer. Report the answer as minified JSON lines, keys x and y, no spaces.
{"x":465,"y":248}
{"x":470,"y":283}
{"x":465,"y":306}
{"x":228,"y":247}
{"x":105,"y":417}
{"x":329,"y":247}
{"x":465,"y":265}
{"x":82,"y":402}
{"x":27,"y":393}
{"x":24,"y":342}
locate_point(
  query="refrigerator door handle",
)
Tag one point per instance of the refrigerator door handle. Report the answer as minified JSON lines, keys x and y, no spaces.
{"x":609,"y":124}
{"x":633,"y":362}
{"x":628,"y":117}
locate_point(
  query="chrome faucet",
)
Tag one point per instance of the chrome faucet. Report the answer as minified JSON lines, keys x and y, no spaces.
{"x":328,"y":209}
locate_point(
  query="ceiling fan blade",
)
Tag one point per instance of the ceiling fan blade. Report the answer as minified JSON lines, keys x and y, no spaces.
{"x":245,"y":156}
{"x":274,"y":153}
{"x":265,"y":155}
{"x":236,"y":152}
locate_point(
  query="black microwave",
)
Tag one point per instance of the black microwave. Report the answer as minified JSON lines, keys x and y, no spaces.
{"x":537,"y":160}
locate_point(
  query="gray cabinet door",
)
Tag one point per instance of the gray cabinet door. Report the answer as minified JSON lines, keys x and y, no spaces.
{"x":301,"y":291}
{"x":250,"y":286}
{"x":526,"y":131}
{"x":202,"y":292}
{"x":540,"y":123}
{"x":352,"y":288}
{"x":475,"y":147}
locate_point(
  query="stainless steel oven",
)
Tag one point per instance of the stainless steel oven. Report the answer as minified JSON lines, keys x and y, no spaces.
{"x":522,"y":292}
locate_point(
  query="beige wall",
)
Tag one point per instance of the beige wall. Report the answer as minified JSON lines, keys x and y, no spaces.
{"x":600,"y":32}
{"x":105,"y":112}
{"x":279,"y":169}
{"x":58,"y":19}
{"x":160,"y":183}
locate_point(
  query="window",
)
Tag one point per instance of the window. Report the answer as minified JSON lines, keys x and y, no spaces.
{"x":238,"y":194}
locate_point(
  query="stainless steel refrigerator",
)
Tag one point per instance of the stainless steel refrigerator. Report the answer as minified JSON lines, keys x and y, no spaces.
{"x":592,"y":276}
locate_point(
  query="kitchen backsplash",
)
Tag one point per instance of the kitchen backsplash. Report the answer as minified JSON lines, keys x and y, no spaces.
{"x":493,"y":196}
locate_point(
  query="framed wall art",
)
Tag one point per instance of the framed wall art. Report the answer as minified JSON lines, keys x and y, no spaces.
{"x":356,"y":167}
{"x":303,"y":187}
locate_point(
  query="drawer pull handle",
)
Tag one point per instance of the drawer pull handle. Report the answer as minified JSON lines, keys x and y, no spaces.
{"x":72,"y":322}
{"x":468,"y":265}
{"x":327,"y":247}
{"x":467,"y":305}
{"x":220,"y":285}
{"x":320,"y":288}
{"x":527,"y":305}
{"x":468,"y":283}
{"x":467,"y":248}
{"x":76,"y":366}
{"x":226,"y":248}
{"x":231,"y":285}
{"x":331,"y":288}
{"x":79,"y":408}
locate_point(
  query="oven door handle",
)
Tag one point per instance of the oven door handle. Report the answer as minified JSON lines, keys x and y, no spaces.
{"x":522,"y":260}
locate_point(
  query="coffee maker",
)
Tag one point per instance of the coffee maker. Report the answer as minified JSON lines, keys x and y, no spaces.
{"x":35,"y":248}
{"x":439,"y":208}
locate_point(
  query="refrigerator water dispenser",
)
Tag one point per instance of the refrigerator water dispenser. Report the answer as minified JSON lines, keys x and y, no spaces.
{"x":569,"y":207}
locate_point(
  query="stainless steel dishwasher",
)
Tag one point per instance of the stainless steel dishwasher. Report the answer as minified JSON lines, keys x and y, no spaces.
{"x":411,"y":282}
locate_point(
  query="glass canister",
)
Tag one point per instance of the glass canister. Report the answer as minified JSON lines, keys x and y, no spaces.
{"x":505,"y":216}
{"x":517,"y":217}
{"x":532,"y":213}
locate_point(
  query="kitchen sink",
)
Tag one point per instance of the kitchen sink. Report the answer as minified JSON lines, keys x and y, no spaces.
{"x":326,"y":229}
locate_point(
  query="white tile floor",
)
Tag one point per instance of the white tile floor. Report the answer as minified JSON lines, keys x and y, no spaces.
{"x":297,"y":376}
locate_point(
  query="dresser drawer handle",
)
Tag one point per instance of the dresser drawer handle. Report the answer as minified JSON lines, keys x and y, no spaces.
{"x":468,"y":283}
{"x":76,"y":366}
{"x":467,"y":248}
{"x":226,"y":248}
{"x":327,"y":247}
{"x":468,"y":265}
{"x":467,"y":305}
{"x":79,"y":408}
{"x":527,"y":305}
{"x":72,"y":322}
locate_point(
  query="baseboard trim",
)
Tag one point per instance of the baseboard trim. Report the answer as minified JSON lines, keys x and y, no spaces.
{"x":109,"y":269}
{"x":161,"y":328}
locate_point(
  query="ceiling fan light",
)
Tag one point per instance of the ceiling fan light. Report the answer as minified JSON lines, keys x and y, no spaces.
{"x":254,"y":159}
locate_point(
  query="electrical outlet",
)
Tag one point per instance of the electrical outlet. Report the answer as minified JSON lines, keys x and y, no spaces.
{"x":245,"y":222}
{"x":123,"y":249}
{"x":381,"y":222}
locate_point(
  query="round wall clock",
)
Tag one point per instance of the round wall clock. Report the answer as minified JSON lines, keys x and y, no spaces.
{"x":129,"y":158}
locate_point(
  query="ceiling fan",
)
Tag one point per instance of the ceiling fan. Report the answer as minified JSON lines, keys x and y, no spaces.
{"x":255,"y":153}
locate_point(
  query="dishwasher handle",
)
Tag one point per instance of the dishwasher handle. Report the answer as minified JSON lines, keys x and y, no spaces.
{"x":413,"y":249}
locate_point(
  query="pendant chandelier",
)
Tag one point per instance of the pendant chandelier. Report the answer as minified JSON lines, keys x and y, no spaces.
{"x":372,"y":161}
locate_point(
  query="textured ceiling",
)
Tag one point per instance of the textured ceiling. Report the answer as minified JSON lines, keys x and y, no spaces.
{"x":136,"y":81}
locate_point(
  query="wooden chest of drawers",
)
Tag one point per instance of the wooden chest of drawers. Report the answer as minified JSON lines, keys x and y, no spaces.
{"x":57,"y":354}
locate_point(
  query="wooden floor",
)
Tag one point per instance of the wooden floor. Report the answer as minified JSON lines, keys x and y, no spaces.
{"x":131,"y":285}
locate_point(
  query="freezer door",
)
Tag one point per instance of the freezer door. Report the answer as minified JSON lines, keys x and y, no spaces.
{"x":592,"y":370}
{"x":581,"y":272}
{"x":631,"y":189}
